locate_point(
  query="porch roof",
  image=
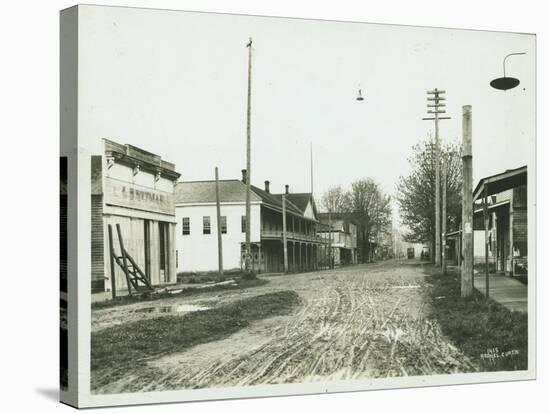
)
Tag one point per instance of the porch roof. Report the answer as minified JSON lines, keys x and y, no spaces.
{"x":501,"y":182}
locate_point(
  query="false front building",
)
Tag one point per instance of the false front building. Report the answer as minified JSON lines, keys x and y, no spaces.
{"x":196,"y":239}
{"x":133,"y":193}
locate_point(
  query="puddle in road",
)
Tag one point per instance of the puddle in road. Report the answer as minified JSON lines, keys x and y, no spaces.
{"x":172,"y":309}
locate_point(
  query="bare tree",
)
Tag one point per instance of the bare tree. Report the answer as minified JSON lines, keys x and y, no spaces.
{"x":371,"y":210}
{"x":335,"y":200}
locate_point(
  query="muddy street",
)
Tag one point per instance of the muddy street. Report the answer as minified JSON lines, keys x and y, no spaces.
{"x":364,"y":321}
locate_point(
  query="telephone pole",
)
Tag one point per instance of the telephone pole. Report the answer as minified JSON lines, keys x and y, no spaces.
{"x":248,"y":172}
{"x":329,"y":240}
{"x":219,"y":227}
{"x":435,"y":102}
{"x":444,"y":218}
{"x":311,"y":165}
{"x":467,"y":268}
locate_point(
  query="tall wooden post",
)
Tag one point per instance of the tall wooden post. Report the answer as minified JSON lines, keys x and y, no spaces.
{"x":311,"y":165}
{"x":511,"y":233}
{"x":486,"y":225}
{"x":219,"y":226}
{"x":329,"y":240}
{"x":444,"y":218}
{"x":437,"y":194}
{"x":285,"y":248}
{"x":112,"y":261}
{"x":437,"y":105}
{"x":248,"y":170}
{"x":467,"y":269}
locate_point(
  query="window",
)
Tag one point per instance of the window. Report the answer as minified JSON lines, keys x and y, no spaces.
{"x":243,"y":224}
{"x":206,"y":225}
{"x":223,"y":224}
{"x":185,"y":229}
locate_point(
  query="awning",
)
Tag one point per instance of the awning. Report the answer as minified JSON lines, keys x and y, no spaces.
{"x":501,"y":182}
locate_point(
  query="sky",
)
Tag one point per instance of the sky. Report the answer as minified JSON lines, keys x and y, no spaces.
{"x":175,"y":83}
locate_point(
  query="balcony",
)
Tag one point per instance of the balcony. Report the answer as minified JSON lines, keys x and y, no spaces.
{"x":291,"y":236}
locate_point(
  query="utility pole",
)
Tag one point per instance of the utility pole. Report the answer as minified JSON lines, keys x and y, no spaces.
{"x":285,"y":248}
{"x":311,"y":165}
{"x":248,"y":171}
{"x":435,"y":99}
{"x":218,"y":225}
{"x":329,"y":240}
{"x":444,"y":218}
{"x":467,"y":268}
{"x":486,"y":225}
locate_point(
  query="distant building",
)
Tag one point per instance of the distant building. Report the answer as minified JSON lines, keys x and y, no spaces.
{"x":134,"y":189}
{"x":343,"y":234}
{"x":401,"y":248}
{"x":197,"y":228}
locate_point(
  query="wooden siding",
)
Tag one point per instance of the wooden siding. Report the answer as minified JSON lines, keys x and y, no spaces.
{"x":133,"y":237}
{"x":520,"y":219}
{"x":98,"y":274}
{"x":520,"y":230}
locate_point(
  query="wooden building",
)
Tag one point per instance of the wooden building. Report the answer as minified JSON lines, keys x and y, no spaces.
{"x":505,"y":197}
{"x":197,"y":228}
{"x":343,"y":234}
{"x":134,"y":189}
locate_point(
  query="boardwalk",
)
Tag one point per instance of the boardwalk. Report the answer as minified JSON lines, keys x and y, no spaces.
{"x":505,"y":290}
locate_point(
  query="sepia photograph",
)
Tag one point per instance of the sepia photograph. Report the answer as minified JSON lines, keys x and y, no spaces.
{"x":280,"y":201}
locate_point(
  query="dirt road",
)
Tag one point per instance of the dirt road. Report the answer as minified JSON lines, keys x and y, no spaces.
{"x":364,"y":321}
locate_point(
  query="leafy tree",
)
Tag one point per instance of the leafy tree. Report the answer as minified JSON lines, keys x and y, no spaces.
{"x":416,"y":192}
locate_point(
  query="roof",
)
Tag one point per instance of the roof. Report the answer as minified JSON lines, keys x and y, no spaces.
{"x":232,"y":191}
{"x":501,"y":182}
{"x":134,"y":156}
{"x":205,"y":192}
{"x":276,"y":201}
{"x":346,"y":219}
{"x":300,"y":200}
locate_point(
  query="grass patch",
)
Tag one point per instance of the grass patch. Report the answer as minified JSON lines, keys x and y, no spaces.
{"x":119,"y":350}
{"x":494,"y":337}
{"x":206,"y":277}
{"x":241,"y":283}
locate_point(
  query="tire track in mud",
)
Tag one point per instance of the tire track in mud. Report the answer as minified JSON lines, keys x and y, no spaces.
{"x":356,"y":322}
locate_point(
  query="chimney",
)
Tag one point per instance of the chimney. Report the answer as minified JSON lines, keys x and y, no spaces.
{"x":266,"y":182}
{"x":244,"y":176}
{"x":286,"y":189}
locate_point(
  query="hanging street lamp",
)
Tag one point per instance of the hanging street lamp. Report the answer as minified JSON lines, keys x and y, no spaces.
{"x":506,"y":82}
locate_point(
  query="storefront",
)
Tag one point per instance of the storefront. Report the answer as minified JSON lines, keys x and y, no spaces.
{"x":133,"y":193}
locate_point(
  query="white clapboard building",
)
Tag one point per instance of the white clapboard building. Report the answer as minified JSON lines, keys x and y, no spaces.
{"x":196,"y":229}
